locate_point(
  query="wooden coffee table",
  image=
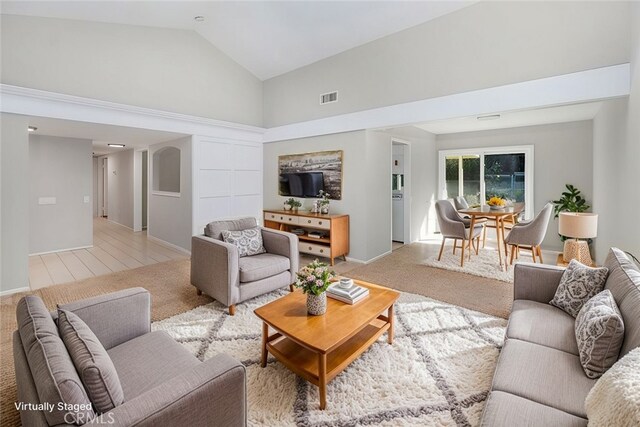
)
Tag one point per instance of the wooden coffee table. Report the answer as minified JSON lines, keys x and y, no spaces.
{"x":318,"y":348}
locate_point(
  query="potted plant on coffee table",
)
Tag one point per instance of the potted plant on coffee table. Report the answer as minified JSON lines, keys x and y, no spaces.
{"x":314,"y":279}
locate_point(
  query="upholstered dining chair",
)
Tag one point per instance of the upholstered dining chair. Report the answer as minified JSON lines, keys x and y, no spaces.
{"x":529,"y":235}
{"x":218,"y":269}
{"x":453,"y":227}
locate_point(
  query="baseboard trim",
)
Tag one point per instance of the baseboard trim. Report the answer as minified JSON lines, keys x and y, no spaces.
{"x":14,"y":291}
{"x":121,"y":225}
{"x":370,"y":260}
{"x":171,"y":245}
{"x":61,"y":250}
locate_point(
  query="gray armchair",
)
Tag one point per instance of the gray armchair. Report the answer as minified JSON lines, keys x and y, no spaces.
{"x":218,"y":271}
{"x":162,"y":382}
{"x":452,"y":226}
{"x":529,"y":235}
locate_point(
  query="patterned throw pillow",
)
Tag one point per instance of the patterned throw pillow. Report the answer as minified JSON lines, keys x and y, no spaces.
{"x":248,"y":242}
{"x":578,"y":284}
{"x":599,"y":333}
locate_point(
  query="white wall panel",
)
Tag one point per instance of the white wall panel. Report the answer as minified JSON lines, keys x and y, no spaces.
{"x":210,"y":209}
{"x":247,"y":183}
{"x":214,"y":183}
{"x":248,"y":206}
{"x":247,"y":157}
{"x":215,"y":155}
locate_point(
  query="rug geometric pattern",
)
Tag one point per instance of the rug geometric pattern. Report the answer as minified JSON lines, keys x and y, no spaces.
{"x":437,"y":372}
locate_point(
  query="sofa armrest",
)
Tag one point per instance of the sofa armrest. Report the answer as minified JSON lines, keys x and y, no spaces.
{"x":212,"y":393}
{"x":214,"y":269}
{"x":117,"y":317}
{"x":282,"y":243}
{"x":536,"y":282}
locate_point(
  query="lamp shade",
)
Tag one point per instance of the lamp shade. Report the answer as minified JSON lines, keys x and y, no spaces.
{"x":578,"y":225}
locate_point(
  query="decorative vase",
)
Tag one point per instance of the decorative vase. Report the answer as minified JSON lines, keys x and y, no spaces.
{"x":287,"y":207}
{"x":317,"y":304}
{"x":324,"y":209}
{"x":496,"y":208}
{"x":294,"y":209}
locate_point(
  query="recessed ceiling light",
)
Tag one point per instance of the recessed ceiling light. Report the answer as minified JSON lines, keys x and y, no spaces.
{"x":116,"y":145}
{"x":32,"y":128}
{"x":489,"y":117}
{"x":199,"y":18}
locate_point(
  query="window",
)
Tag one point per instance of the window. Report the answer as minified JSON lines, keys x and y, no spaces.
{"x":166,"y":171}
{"x":481,"y":173}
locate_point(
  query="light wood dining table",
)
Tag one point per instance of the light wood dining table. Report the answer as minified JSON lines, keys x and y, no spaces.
{"x":499,"y":216}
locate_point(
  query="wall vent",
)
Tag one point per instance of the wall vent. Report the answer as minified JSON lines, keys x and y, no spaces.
{"x":328,"y":98}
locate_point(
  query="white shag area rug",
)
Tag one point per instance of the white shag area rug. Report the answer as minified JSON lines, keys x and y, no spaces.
{"x":485,"y":264}
{"x":438,"y":371}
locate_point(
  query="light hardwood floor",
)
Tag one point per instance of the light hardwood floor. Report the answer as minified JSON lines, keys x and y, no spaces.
{"x":115,"y":248}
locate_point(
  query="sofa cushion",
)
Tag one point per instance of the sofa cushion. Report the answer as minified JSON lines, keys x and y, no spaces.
{"x":545,"y":375}
{"x":624,"y":284}
{"x":51,"y":367}
{"x":542,"y":324}
{"x":578,"y":284}
{"x":248,"y":242}
{"x":599,"y":334}
{"x":508,"y":410}
{"x":214,"y":229}
{"x":615,"y":399}
{"x":262,"y":266}
{"x":148,"y":361}
{"x":92,"y":362}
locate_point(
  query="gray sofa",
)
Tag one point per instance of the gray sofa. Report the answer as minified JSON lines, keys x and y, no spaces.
{"x":539,"y":380}
{"x":218,"y":271}
{"x":163,"y":383}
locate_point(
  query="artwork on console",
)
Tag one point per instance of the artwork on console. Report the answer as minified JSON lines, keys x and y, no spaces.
{"x":304,"y":175}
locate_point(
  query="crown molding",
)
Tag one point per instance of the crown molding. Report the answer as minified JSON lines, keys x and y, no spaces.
{"x":35,"y":102}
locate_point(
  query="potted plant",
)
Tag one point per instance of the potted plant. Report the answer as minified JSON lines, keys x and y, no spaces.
{"x":324,"y":201}
{"x":293,"y":204}
{"x":571,"y":201}
{"x":314,"y":279}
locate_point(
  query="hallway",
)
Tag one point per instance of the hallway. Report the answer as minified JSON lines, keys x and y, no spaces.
{"x":115,"y":248}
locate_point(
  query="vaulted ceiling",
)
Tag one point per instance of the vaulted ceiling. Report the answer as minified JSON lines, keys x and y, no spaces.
{"x":268,"y":38}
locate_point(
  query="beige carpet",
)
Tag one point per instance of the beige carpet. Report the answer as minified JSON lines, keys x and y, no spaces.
{"x":171,"y":294}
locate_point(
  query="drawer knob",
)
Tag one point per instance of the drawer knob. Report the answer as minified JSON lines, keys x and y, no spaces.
{"x":281,"y":218}
{"x":290,"y":219}
{"x":309,"y":221}
{"x":321,"y":250}
{"x":310,"y":248}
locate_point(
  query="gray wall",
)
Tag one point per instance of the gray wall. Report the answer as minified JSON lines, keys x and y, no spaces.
{"x":94,"y":200}
{"x":170,"y":218}
{"x":484,"y":45}
{"x":60,"y":168}
{"x":616,"y":163}
{"x":14,"y":202}
{"x":120,"y":188}
{"x":164,"y":69}
{"x":563,"y":155}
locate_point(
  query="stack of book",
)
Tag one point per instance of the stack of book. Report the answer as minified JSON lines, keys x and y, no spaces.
{"x":350,"y":295}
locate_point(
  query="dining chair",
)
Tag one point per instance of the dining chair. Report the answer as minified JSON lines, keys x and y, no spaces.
{"x":529,"y":235}
{"x":461,"y":203}
{"x":452,"y":226}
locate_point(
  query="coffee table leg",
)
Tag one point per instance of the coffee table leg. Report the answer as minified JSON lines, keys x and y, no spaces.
{"x":390,"y":331}
{"x":265,"y":336}
{"x":322,"y":370}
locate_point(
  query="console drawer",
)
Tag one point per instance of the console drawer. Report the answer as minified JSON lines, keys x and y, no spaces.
{"x":282,"y":218}
{"x":314,"y":249}
{"x":323,"y":224}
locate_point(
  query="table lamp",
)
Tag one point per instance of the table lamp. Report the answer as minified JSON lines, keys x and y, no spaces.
{"x":578,"y":226}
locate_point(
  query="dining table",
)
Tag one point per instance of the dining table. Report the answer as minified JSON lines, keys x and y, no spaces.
{"x":497,"y":215}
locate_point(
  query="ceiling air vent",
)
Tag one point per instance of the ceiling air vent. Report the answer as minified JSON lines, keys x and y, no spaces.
{"x":328,"y":98}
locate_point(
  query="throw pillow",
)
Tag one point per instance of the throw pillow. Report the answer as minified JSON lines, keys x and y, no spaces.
{"x":599,"y":333}
{"x":92,"y":362}
{"x":578,"y":284}
{"x":615,"y":398}
{"x":248,"y":242}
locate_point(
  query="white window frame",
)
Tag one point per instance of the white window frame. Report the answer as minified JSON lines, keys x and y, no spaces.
{"x":528,"y":151}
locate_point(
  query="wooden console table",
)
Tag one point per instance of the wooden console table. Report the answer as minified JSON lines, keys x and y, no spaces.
{"x":333,"y":245}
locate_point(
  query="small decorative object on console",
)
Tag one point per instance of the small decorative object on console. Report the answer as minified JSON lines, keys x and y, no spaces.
{"x":314,"y":279}
{"x":323,"y":203}
{"x":293,"y":203}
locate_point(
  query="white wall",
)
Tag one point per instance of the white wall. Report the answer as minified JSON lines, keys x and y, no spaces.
{"x":616,"y":171}
{"x":366,"y":185}
{"x":120,"y":187}
{"x":170,"y":217}
{"x":227,"y":180}
{"x":563,"y":155}
{"x":94,"y":200}
{"x":485,"y":45}
{"x":60,"y":168}
{"x":14,"y":202}
{"x":164,"y":69}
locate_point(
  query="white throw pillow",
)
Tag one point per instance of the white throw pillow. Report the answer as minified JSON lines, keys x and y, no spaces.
{"x":615,"y":399}
{"x":248,"y":242}
{"x":578,"y":284}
